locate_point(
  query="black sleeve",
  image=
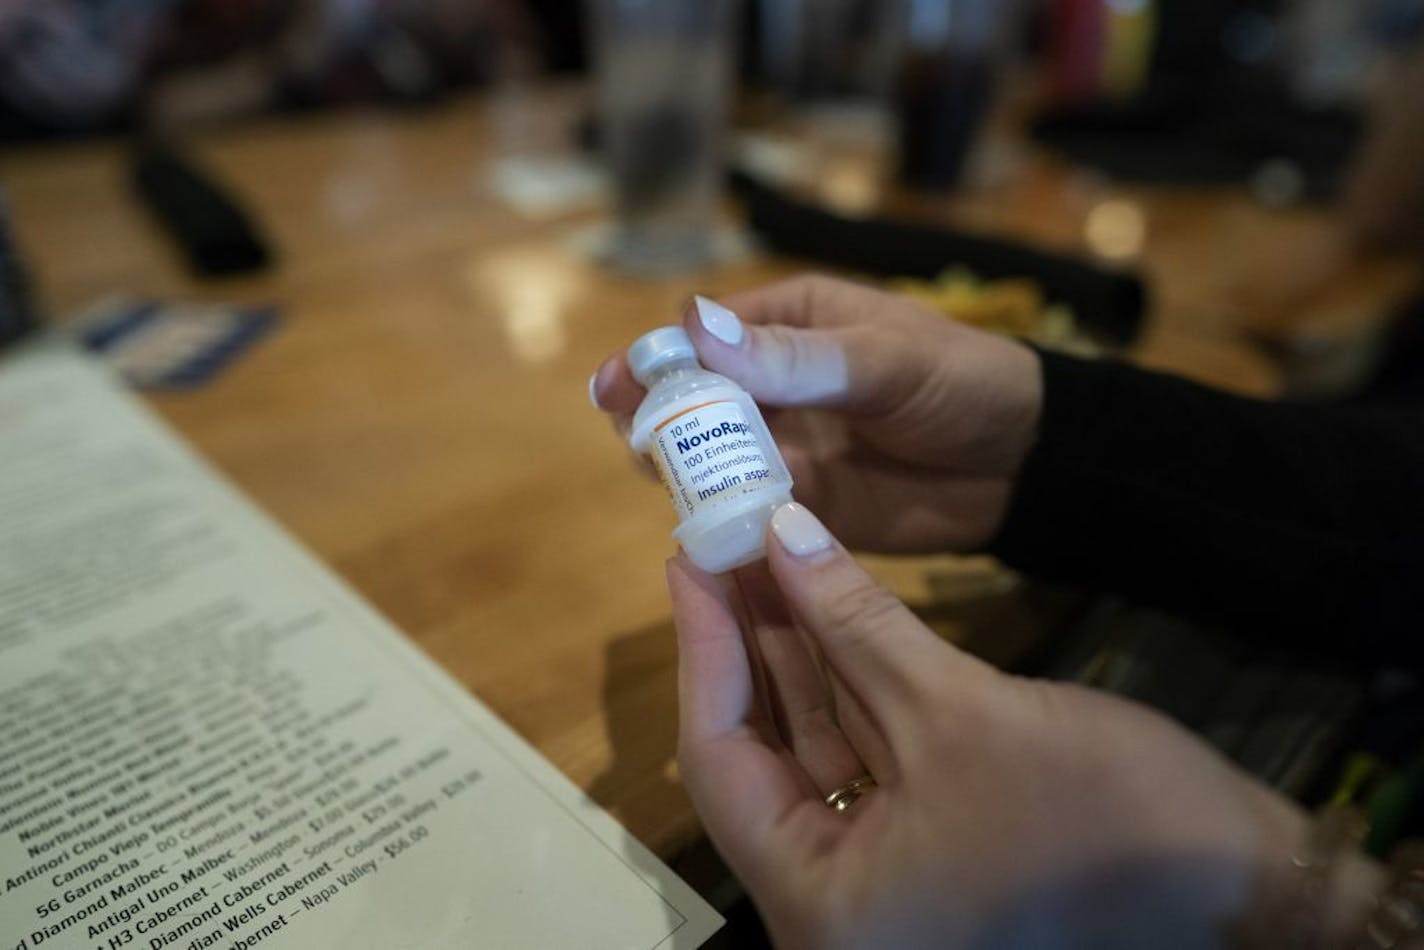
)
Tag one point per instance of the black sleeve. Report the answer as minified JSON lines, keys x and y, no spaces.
{"x":1294,"y":523}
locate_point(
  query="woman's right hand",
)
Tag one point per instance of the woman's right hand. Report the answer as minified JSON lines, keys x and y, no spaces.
{"x":905,"y":430}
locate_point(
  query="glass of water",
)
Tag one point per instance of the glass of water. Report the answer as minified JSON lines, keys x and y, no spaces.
{"x":663,"y":69}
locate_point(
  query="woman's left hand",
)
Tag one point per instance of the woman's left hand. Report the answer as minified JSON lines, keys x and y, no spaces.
{"x":1008,"y":812}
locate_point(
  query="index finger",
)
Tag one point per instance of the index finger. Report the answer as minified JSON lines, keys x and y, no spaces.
{"x":808,"y":301}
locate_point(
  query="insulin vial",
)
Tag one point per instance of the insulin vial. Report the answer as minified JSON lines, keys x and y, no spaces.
{"x":712,"y":451}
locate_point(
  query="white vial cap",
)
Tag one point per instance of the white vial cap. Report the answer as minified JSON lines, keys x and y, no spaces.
{"x":658,"y":347}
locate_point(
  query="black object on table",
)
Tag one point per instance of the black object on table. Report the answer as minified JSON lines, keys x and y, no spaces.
{"x":215,"y":234}
{"x":1167,"y":140}
{"x":1107,"y":304}
{"x":1281,"y":715}
{"x":17,"y":314}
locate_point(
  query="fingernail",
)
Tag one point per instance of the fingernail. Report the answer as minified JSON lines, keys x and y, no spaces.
{"x":799,"y":531}
{"x":593,"y":390}
{"x":718,"y":320}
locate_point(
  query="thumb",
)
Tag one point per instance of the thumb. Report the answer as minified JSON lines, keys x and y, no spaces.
{"x":838,"y":368}
{"x":881,"y":650}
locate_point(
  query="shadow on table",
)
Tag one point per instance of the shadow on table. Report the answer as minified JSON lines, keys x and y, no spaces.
{"x":999,"y":617}
{"x":640,"y":707}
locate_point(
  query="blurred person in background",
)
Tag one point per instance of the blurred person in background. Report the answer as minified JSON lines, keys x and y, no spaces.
{"x":1384,"y":199}
{"x":1379,"y":213}
{"x":76,"y":66}
{"x":1383,"y":209}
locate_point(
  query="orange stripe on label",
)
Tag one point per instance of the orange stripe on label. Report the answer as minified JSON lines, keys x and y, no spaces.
{"x":701,"y":405}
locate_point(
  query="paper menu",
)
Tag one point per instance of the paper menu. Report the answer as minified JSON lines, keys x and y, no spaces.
{"x":207,"y":740}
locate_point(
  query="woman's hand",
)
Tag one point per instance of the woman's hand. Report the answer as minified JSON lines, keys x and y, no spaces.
{"x":904,"y":429}
{"x":1008,"y":812}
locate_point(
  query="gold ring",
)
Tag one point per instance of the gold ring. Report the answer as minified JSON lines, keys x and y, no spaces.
{"x":849,"y":793}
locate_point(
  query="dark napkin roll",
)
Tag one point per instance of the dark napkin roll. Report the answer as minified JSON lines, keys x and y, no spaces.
{"x":215,"y":234}
{"x":1178,"y":139}
{"x":17,"y":311}
{"x":1106,"y":304}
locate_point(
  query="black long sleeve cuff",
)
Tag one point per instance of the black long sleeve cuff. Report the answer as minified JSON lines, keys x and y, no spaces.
{"x":1294,"y":523}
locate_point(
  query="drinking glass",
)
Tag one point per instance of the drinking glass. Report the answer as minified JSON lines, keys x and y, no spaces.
{"x":663,"y":69}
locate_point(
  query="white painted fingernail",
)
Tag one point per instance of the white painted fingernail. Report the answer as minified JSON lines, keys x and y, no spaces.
{"x":593,"y":391}
{"x":718,"y":320}
{"x":799,"y":531}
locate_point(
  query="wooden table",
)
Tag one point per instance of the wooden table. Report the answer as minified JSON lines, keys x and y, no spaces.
{"x":421,"y":418}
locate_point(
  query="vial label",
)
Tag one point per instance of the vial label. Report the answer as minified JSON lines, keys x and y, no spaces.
{"x":707,"y":454}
